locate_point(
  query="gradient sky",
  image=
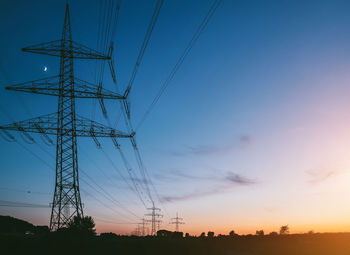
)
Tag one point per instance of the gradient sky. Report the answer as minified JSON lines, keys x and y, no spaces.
{"x":253,"y":132}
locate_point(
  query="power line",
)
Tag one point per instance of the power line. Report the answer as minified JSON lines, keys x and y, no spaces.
{"x":113,"y":222}
{"x":144,"y":45}
{"x":109,"y":199}
{"x":147,"y":177}
{"x":99,"y":168}
{"x":143,"y":170}
{"x":19,"y":97}
{"x":26,"y":191}
{"x":68,"y":125}
{"x":195,"y":37}
{"x":132,"y":175}
{"x":117,"y":170}
{"x":141,"y":167}
{"x":5,"y":203}
{"x":105,"y":193}
{"x":52,"y":168}
{"x":140,"y":56}
{"x":105,"y":37}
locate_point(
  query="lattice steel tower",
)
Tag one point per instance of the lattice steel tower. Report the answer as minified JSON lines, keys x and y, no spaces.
{"x":154,"y":219}
{"x":177,"y":221}
{"x":65,"y":124}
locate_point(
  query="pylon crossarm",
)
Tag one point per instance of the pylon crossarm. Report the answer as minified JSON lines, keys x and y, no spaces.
{"x":50,"y":86}
{"x":84,"y":125}
{"x":56,"y":48}
{"x":49,"y":124}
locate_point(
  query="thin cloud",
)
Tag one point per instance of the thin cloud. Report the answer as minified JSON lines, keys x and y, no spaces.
{"x":227,"y":176}
{"x":244,"y":141}
{"x":139,"y":180}
{"x":206,"y":193}
{"x":194,"y":195}
{"x":239,"y":179}
{"x":163,"y":177}
{"x":223,"y":183}
{"x":207,"y":150}
{"x":317,"y":176}
{"x":203,"y":150}
{"x":180,"y":174}
{"x":177,"y":174}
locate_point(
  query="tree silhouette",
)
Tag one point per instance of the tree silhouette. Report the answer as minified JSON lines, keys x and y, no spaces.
{"x":210,"y":234}
{"x":284,"y":230}
{"x":82,"y":225}
{"x":232,"y":233}
{"x":259,"y":232}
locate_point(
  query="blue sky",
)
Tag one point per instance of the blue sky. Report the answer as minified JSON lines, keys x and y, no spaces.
{"x":256,"y":116}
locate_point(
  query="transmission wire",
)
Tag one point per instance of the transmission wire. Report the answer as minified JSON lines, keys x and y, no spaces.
{"x":191,"y":43}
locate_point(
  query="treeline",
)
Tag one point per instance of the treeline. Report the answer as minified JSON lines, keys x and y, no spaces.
{"x":85,"y":226}
{"x":80,"y":238}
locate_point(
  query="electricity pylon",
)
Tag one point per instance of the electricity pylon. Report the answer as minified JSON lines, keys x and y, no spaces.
{"x":143,"y":227}
{"x":177,"y":221}
{"x":64,"y":123}
{"x":154,"y":219}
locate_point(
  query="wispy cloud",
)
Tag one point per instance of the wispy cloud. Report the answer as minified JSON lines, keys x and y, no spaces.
{"x":239,"y":179}
{"x":226,"y":176}
{"x":317,"y":176}
{"x":176,"y":174}
{"x":222,"y":182}
{"x":244,"y":140}
{"x":204,"y":150}
{"x":139,"y":180}
{"x":194,"y":195}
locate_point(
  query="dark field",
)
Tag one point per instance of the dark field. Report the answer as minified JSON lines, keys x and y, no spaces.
{"x":308,"y":244}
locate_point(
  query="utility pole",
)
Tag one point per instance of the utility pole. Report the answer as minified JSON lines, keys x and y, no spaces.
{"x":154,"y":219}
{"x":65,"y":124}
{"x":177,"y":221}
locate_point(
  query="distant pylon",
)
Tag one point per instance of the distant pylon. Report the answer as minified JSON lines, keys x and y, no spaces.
{"x":143,"y":226}
{"x":177,"y":221}
{"x":154,"y":219}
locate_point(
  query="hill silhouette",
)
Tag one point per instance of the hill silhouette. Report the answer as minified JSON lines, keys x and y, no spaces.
{"x":13,"y":226}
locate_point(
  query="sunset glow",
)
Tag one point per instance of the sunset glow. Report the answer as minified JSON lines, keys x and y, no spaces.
{"x":251,"y":134}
